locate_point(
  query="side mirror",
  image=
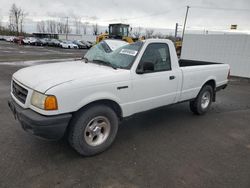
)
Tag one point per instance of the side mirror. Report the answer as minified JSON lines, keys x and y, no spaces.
{"x":145,"y":68}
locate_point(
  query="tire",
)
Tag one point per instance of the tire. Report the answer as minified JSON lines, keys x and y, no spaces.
{"x":88,"y":139}
{"x":203,"y":101}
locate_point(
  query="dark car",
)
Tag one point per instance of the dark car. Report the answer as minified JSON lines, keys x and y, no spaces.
{"x":87,"y":43}
{"x":44,"y":41}
{"x":80,"y":44}
{"x":54,"y":42}
{"x":37,"y":42}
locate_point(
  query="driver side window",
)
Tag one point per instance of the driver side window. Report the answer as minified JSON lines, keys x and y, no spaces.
{"x":157,"y":56}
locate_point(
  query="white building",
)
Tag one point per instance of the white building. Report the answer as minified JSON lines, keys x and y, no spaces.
{"x":91,"y":38}
{"x":69,"y":36}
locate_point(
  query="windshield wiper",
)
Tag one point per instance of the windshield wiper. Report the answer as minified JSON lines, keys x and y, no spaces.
{"x":104,"y":63}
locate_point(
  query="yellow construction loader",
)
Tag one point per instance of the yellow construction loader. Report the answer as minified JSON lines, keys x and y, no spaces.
{"x":117,"y":31}
{"x":121,"y":31}
{"x":178,"y":46}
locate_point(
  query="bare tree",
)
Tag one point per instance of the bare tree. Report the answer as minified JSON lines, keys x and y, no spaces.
{"x":95,"y":29}
{"x":1,"y":25}
{"x":78,"y":25}
{"x":63,"y":28}
{"x":1,"y":22}
{"x":22,"y":17}
{"x":41,"y":27}
{"x":16,"y":18}
{"x":67,"y":29}
{"x":11,"y":24}
{"x":84,"y":27}
{"x":60,"y":27}
{"x":51,"y":26}
{"x":149,"y":33}
{"x":137,"y":32}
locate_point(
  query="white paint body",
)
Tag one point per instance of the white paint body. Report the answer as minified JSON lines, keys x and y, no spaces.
{"x":68,"y":45}
{"x":29,"y":40}
{"x":233,"y":49}
{"x":76,"y":84}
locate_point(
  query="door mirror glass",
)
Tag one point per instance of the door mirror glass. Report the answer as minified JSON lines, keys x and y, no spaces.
{"x":155,"y":58}
{"x":145,"y":67}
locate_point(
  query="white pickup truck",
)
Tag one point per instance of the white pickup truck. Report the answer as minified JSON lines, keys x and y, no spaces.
{"x":85,"y":100}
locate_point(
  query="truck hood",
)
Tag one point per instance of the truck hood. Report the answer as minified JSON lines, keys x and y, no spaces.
{"x":44,"y":77}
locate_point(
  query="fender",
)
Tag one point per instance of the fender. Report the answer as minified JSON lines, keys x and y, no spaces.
{"x":96,"y":97}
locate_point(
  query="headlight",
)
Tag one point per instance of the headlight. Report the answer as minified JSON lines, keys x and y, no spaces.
{"x":42,"y":101}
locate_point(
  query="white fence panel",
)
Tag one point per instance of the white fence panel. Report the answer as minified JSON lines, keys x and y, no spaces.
{"x":231,"y":49}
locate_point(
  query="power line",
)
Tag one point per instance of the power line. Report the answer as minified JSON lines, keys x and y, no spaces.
{"x":145,"y":16}
{"x":220,"y":8}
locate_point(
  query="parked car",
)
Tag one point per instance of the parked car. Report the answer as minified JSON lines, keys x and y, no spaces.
{"x":10,"y":39}
{"x":91,"y":42}
{"x":30,"y":40}
{"x":86,"y":43}
{"x":54,"y":42}
{"x":38,"y":42}
{"x":2,"y":37}
{"x":80,"y":44}
{"x":68,"y":44}
{"x":86,"y":100}
{"x":44,"y":41}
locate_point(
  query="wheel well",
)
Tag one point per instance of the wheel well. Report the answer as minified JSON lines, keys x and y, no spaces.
{"x":213,"y":85}
{"x":112,"y":104}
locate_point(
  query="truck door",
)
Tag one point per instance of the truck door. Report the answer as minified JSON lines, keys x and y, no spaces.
{"x":155,"y":83}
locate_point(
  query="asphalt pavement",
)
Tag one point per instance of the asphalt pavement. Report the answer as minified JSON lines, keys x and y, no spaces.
{"x":167,"y":147}
{"x":11,"y":52}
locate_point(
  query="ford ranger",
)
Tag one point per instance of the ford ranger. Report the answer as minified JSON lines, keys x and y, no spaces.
{"x":85,"y":100}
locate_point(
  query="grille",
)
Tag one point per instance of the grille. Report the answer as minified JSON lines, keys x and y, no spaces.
{"x":19,"y":92}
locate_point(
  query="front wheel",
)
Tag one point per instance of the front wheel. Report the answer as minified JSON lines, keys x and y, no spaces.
{"x":203,"y":101}
{"x":93,"y":130}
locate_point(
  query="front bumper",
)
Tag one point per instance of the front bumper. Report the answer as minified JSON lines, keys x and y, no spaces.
{"x":48,"y":127}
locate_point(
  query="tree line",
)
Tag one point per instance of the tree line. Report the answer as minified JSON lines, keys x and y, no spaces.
{"x":59,"y":27}
{"x":16,"y":25}
{"x":17,"y":17}
{"x":16,"y":22}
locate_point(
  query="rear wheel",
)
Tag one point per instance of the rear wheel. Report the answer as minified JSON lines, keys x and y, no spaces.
{"x":93,"y":130}
{"x":203,"y":101}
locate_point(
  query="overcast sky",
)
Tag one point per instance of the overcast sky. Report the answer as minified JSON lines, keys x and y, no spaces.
{"x":144,"y":13}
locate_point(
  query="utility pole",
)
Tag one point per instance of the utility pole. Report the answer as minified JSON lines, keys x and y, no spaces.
{"x":67,"y":27}
{"x":176,"y":30}
{"x":184,"y":27}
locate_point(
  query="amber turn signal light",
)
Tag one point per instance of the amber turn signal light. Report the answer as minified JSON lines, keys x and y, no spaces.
{"x":50,"y":103}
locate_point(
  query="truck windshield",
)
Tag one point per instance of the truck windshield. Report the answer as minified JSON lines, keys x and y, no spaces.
{"x":122,"y":57}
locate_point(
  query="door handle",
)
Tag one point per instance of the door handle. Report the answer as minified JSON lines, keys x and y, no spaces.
{"x":171,"y":77}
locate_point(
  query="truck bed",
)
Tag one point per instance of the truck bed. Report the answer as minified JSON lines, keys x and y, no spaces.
{"x":196,"y":73}
{"x":187,"y":63}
